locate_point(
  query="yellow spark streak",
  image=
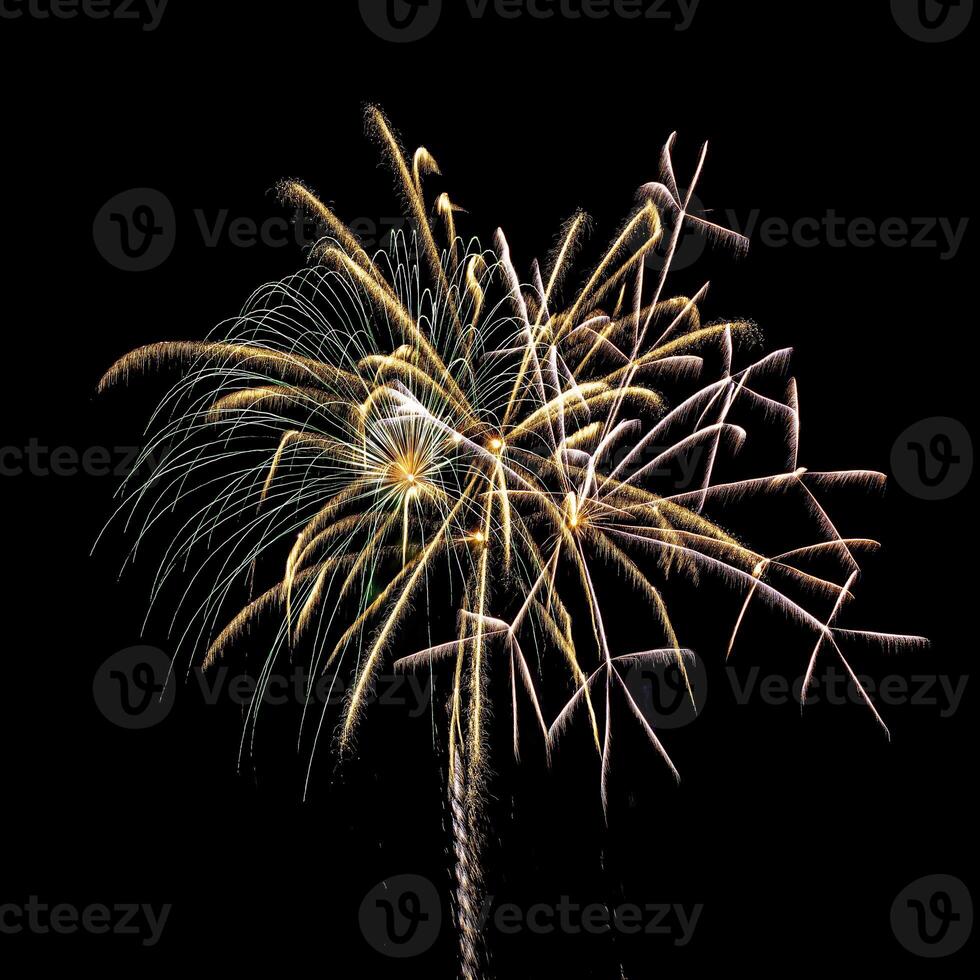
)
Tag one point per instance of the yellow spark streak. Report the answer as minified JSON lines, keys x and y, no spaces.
{"x":358,"y":565}
{"x":291,"y":367}
{"x":476,"y":693}
{"x":413,"y":196}
{"x":423,"y":163}
{"x":419,"y":566}
{"x":295,"y":435}
{"x":648,"y":213}
{"x":686,"y":342}
{"x":571,"y":238}
{"x":300,"y":195}
{"x":475,"y":269}
{"x":445,"y":209}
{"x":401,"y":316}
{"x":505,"y":513}
{"x":409,"y":495}
{"x":384,"y":364}
{"x":572,"y":234}
{"x":601,"y":396}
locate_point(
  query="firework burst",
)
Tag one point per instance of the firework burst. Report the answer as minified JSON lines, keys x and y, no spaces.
{"x":424,"y":435}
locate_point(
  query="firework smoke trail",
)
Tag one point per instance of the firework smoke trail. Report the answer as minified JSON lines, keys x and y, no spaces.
{"x":467,"y":877}
{"x":423,"y":422}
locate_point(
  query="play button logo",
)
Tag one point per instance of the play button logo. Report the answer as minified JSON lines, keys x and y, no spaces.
{"x":401,"y":21}
{"x":933,"y":21}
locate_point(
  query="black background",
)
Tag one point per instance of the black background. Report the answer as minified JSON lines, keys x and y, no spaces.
{"x":796,"y":834}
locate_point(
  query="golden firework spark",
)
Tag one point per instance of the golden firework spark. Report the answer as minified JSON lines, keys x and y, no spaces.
{"x":438,"y":427}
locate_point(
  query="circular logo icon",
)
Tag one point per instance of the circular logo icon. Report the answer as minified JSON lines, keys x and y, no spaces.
{"x":933,"y":459}
{"x":401,"y":21}
{"x":933,"y":21}
{"x":667,"y":696}
{"x":933,"y":916}
{"x":131,"y":688}
{"x":135,"y":230}
{"x":402,"y":917}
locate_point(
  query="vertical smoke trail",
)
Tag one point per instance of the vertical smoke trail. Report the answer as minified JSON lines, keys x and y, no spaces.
{"x":466,"y":846}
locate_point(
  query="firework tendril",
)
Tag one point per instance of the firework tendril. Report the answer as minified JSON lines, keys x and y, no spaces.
{"x":423,"y":437}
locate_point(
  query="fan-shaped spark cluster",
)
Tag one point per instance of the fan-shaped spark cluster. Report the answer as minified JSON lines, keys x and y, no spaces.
{"x":423,"y":429}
